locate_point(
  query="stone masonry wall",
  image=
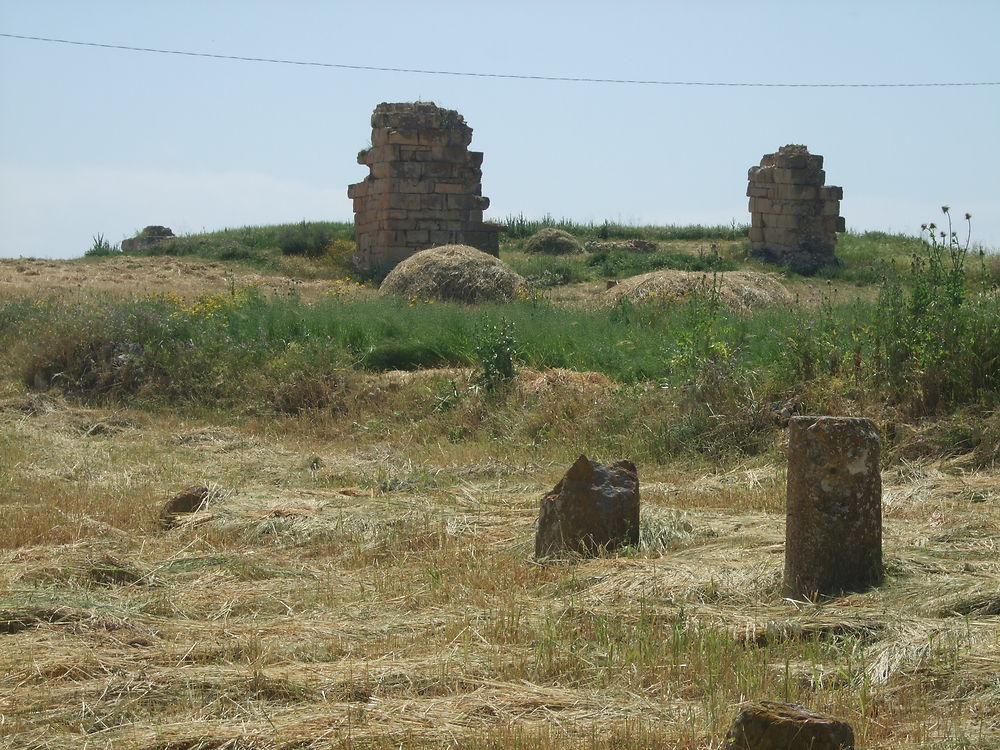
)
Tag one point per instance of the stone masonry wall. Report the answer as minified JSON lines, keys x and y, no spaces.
{"x":424,"y":186}
{"x":794,"y":217}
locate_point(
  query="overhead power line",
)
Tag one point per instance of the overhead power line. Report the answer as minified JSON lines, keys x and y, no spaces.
{"x":510,"y":76}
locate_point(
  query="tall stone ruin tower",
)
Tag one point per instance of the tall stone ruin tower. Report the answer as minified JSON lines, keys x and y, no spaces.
{"x":794,"y":217}
{"x":423,"y":188}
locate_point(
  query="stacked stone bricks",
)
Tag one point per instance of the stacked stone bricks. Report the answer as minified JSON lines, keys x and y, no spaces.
{"x":424,"y":187}
{"x":794,"y":217}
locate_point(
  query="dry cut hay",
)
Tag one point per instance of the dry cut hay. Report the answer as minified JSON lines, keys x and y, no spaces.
{"x":739,"y":290}
{"x":453,"y":272}
{"x":546,"y":382}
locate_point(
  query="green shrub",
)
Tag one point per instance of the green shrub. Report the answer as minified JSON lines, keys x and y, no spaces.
{"x":496,"y":355}
{"x":936,"y":344}
{"x":553,"y":242}
{"x":101,"y":247}
{"x":309,"y":239}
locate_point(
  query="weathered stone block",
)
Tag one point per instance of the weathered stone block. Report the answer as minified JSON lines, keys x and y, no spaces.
{"x":833,"y":529}
{"x":593,"y":507}
{"x":787,"y":726}
{"x":403,"y":137}
{"x":417,"y":236}
{"x":443,"y":237}
{"x":414,"y":186}
{"x":796,"y":192}
{"x":448,"y":188}
{"x":432,"y":202}
{"x":798,"y":176}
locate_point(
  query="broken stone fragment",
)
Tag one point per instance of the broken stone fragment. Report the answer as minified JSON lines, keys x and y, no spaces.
{"x":787,"y":726}
{"x":148,"y":236}
{"x":592,"y":508}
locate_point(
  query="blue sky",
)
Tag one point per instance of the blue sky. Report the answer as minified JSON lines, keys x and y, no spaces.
{"x":107,"y":141}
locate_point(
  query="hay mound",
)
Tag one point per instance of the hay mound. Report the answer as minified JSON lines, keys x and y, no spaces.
{"x":553,"y":242}
{"x":453,"y":272}
{"x":739,"y":290}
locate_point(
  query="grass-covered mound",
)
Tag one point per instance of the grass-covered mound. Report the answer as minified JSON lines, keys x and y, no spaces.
{"x":456,"y":273}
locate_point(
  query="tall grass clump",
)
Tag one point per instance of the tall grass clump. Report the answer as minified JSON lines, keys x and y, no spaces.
{"x":309,"y":239}
{"x":554,"y":270}
{"x":519,"y":228}
{"x":937,"y":341}
{"x":101,"y":247}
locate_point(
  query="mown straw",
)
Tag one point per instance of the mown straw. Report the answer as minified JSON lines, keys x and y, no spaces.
{"x":390,"y":597}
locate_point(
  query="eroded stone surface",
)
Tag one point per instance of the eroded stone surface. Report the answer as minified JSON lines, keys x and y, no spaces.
{"x":593,"y":507}
{"x":787,"y":726}
{"x":423,"y":189}
{"x":794,"y":217}
{"x":833,"y":527}
{"x":148,"y":236}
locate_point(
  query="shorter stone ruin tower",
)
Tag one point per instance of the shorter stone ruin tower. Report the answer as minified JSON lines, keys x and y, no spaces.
{"x":424,"y":187}
{"x":794,"y":217}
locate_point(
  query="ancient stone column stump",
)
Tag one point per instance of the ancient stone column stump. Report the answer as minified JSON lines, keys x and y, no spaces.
{"x":833,"y":526}
{"x":593,"y":508}
{"x":787,"y":726}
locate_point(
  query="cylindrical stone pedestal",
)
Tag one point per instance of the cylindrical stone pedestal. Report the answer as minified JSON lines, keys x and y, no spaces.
{"x":833,"y":528}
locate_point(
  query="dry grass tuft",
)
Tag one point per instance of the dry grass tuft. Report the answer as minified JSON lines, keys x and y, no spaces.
{"x":739,"y":290}
{"x":453,"y":272}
